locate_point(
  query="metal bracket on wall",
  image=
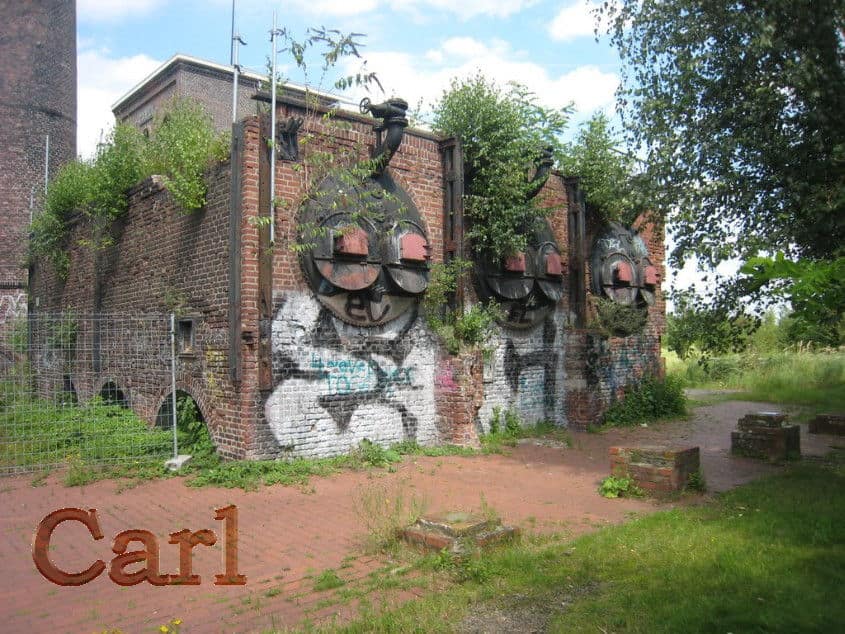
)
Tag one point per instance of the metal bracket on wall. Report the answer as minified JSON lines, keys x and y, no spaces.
{"x":287,"y":139}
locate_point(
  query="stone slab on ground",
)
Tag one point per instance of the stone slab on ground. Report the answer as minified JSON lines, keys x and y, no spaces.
{"x":656,"y":468}
{"x":457,"y":531}
{"x":832,"y":424}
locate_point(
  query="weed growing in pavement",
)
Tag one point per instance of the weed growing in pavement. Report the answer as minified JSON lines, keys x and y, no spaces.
{"x":614,"y":486}
{"x":327,"y":580}
{"x":384,"y":511}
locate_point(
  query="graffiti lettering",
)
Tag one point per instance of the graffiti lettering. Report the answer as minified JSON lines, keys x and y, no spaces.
{"x":359,"y":307}
{"x":446,"y":378}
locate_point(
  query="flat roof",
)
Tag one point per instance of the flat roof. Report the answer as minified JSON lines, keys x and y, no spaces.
{"x":202,"y":63}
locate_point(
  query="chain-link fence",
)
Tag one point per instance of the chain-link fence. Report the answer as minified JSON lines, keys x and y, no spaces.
{"x":84,"y":389}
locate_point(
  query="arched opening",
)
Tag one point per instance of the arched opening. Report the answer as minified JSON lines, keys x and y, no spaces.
{"x":194,"y":436}
{"x":68,"y":394}
{"x":113,"y":395}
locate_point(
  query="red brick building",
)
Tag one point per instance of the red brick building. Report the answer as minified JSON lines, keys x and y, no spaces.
{"x":306,"y":351}
{"x":208,"y":83}
{"x":38,"y":119}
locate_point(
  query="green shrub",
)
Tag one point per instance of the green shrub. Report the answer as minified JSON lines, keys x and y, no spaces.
{"x":652,"y":399}
{"x":503,"y":132}
{"x":457,"y":328}
{"x":615,"y":486}
{"x":617,"y":320}
{"x":70,"y":190}
{"x":118,"y":166}
{"x":181,"y":148}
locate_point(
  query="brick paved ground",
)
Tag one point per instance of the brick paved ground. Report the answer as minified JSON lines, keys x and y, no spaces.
{"x":289,"y":533}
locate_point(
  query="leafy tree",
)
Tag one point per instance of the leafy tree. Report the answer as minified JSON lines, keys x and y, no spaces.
{"x":607,"y":174}
{"x":815,"y":290}
{"x":503,"y":133}
{"x":692,"y":329}
{"x":737,"y":108}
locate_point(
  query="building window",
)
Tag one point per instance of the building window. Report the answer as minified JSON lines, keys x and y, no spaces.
{"x":185,"y":335}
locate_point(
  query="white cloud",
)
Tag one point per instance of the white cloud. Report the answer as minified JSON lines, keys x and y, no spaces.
{"x":422,"y":9}
{"x":574,"y":21}
{"x":114,"y":10}
{"x":426,"y":77}
{"x":102,"y":80}
{"x":466,"y":9}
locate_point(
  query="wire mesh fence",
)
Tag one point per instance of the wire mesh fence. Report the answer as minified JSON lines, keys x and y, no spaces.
{"x":77,"y":389}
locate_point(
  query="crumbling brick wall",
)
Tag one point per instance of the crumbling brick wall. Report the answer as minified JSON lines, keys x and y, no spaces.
{"x":160,"y":259}
{"x":275,"y":372}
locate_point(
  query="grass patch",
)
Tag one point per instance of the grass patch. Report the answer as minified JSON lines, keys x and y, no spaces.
{"x":814,"y":379}
{"x":651,"y":400}
{"x":768,"y":556}
{"x":36,"y":433}
{"x":384,"y":511}
{"x":506,"y":429}
{"x":327,"y":580}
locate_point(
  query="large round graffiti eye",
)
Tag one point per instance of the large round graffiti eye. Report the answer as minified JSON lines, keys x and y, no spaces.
{"x":550,"y":271}
{"x":511,"y":277}
{"x":345,"y":252}
{"x":526,"y":285}
{"x":619,"y":279}
{"x":650,"y":280}
{"x":620,"y":267}
{"x":406,"y":256}
{"x":367,"y":258}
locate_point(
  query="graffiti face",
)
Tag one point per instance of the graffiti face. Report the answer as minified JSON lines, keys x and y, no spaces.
{"x":527,"y":285}
{"x":369,"y":254}
{"x":621,"y":268}
{"x":337,"y":383}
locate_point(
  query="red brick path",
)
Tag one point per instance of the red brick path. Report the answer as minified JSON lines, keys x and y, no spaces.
{"x":287,"y":533}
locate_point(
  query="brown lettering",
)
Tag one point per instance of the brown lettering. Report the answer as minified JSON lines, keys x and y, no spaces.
{"x":229,"y":515}
{"x":149,"y":556}
{"x":187,"y":540}
{"x":42,"y":545}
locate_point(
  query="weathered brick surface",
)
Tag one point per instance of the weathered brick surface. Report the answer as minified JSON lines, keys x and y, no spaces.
{"x":657,"y":469}
{"x":833,"y":424}
{"x":766,"y":435}
{"x":161,"y":259}
{"x":309,"y":383}
{"x":37,"y":99}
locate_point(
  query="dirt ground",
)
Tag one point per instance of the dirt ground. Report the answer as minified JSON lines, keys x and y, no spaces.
{"x":288,"y":535}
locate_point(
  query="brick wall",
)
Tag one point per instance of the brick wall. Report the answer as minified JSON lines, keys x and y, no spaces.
{"x":334,"y":383}
{"x":600,"y":368}
{"x":304,"y":381}
{"x":161,"y":259}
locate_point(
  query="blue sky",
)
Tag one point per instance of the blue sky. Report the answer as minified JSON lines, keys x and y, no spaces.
{"x":415,"y":46}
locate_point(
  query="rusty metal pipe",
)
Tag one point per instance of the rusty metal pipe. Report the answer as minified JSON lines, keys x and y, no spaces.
{"x":394,"y":122}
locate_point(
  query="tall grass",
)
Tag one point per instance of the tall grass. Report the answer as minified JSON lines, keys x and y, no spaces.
{"x":766,"y":557}
{"x":803,"y":377}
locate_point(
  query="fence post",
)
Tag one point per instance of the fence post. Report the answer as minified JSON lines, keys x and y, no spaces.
{"x":173,"y":380}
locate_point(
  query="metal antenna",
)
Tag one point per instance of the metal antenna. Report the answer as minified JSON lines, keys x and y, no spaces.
{"x":273,"y":34}
{"x":237,"y":40}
